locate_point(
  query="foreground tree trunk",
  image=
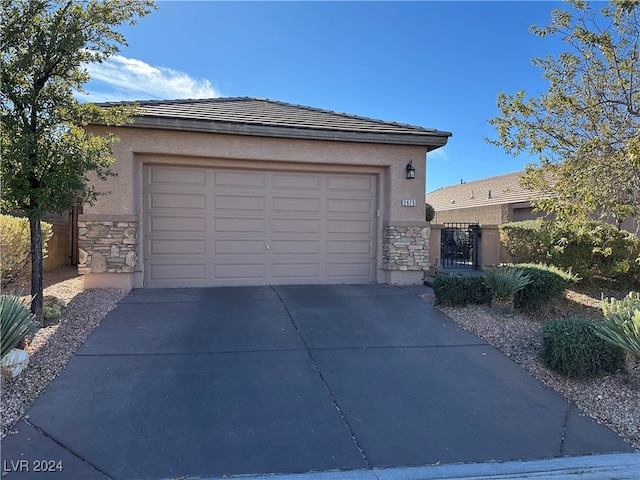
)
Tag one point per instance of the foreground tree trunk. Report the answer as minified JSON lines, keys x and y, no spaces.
{"x":37,"y":268}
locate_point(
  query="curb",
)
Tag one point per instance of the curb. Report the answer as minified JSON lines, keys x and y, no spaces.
{"x":625,"y":466}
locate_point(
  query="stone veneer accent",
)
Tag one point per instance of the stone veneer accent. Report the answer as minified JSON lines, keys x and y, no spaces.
{"x":107,"y":246}
{"x":406,"y":248}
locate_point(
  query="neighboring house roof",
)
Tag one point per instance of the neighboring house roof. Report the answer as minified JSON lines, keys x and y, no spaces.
{"x":261,"y":117}
{"x":499,"y":190}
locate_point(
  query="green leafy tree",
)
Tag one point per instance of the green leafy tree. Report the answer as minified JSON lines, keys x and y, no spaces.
{"x":46,"y":154}
{"x":585,"y":129}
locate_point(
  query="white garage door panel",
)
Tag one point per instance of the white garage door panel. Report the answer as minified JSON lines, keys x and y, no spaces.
{"x":349,"y":226}
{"x":229,"y":179}
{"x":338,"y":270}
{"x":297,"y":181}
{"x":171,"y":274}
{"x":295,"y":225}
{"x":296,"y":204}
{"x":291,"y":247}
{"x":233,"y":273}
{"x":182,"y":224}
{"x":239,"y":203}
{"x":233,"y":227}
{"x":177,"y":247}
{"x":238,"y":247}
{"x":171,"y":176}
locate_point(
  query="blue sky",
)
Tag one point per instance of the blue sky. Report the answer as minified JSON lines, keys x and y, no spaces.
{"x":433,"y":64}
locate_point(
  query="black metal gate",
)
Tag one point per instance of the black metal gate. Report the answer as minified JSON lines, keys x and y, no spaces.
{"x":459,"y":245}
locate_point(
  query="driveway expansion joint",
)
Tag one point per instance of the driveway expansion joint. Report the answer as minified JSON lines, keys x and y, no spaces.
{"x":564,"y":427}
{"x":326,"y":385}
{"x":25,"y":419}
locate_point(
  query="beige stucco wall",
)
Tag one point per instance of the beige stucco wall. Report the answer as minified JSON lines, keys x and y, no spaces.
{"x":58,"y":248}
{"x":484,"y":215}
{"x":138,"y":146}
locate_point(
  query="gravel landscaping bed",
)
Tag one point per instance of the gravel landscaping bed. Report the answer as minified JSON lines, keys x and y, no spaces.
{"x":51,"y":347}
{"x":612,"y":400}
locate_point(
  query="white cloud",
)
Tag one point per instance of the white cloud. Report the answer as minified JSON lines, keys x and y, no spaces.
{"x":121,"y":78}
{"x":438,"y":154}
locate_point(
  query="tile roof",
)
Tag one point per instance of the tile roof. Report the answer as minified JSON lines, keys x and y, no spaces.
{"x":252,"y":116}
{"x":502,"y":189}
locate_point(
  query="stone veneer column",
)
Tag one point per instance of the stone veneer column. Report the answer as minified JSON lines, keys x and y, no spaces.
{"x":406,"y":247}
{"x":107,"y":245}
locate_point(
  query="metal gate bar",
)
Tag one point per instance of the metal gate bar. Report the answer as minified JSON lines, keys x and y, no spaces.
{"x":459,"y":245}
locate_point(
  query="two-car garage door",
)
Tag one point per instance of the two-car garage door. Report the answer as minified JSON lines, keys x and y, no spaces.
{"x":210,"y":226}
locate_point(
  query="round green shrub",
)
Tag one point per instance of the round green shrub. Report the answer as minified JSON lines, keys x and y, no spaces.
{"x":460,"y":290}
{"x":571,"y":346}
{"x":546,"y":282}
{"x":430,"y":212}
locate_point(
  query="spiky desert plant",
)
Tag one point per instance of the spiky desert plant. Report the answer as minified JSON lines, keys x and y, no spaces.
{"x":16,"y":321}
{"x":505,"y":282}
{"x":622,"y":330}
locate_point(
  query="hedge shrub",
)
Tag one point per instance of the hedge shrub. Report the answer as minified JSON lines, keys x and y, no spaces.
{"x":527,"y":241}
{"x":15,"y":254}
{"x":460,"y":290}
{"x":588,"y":248}
{"x":546,"y":282}
{"x":572,"y":347}
{"x":430,"y":212}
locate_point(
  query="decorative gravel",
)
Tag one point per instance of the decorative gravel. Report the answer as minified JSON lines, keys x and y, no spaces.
{"x":613,"y":400}
{"x":51,"y":347}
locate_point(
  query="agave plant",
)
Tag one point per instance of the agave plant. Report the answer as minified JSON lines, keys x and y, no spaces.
{"x":16,"y":322}
{"x":505,"y":282}
{"x":622,"y":330}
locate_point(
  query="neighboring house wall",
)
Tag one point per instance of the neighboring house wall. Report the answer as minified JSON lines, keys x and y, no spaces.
{"x":489,"y":203}
{"x":112,"y":253}
{"x":58,"y":247}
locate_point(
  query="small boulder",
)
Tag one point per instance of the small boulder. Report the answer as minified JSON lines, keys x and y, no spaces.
{"x":14,"y":362}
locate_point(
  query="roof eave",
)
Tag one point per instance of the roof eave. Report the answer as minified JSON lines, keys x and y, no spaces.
{"x":431,"y":140}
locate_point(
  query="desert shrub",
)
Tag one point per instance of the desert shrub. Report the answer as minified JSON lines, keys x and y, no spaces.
{"x":527,"y":241}
{"x":430,"y":212}
{"x":505,"y":282}
{"x":589,"y":249}
{"x":546,"y":282}
{"x":15,"y":254}
{"x":15,"y":323}
{"x":622,"y":324}
{"x":52,"y":312}
{"x":572,"y":347}
{"x":460,"y":290}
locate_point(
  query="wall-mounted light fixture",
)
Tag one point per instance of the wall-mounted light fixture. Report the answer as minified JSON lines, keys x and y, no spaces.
{"x":411,"y":171}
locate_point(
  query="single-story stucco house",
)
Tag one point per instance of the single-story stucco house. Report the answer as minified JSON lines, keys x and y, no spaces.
{"x":244,"y":191}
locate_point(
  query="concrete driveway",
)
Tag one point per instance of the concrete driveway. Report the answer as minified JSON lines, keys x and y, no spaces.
{"x":207,"y":382}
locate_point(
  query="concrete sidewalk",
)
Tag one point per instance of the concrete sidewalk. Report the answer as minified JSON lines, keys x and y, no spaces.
{"x":354,"y":379}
